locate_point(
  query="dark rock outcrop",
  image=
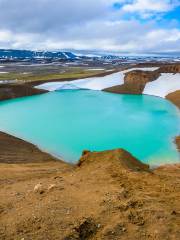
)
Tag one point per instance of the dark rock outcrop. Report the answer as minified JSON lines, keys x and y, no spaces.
{"x":171,"y":68}
{"x":9,"y":91}
{"x":84,"y":231}
{"x":14,"y":150}
{"x":177,"y":141}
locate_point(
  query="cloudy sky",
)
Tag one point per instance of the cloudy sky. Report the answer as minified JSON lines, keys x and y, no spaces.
{"x":140,"y":26}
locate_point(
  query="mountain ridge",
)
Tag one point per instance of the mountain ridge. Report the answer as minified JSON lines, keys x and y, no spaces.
{"x":29,"y":54}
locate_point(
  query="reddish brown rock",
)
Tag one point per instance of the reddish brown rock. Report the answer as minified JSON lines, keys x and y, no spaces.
{"x":9,"y":91}
{"x":118,"y":158}
{"x":177,"y":141}
{"x":134,"y":82}
{"x":170,"y":68}
{"x":14,"y":150}
{"x":174,"y":98}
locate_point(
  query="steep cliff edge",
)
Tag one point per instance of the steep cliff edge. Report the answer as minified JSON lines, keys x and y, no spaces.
{"x":9,"y":91}
{"x":171,"y":68}
{"x":14,"y":150}
{"x":174,"y":98}
{"x":134,"y":82}
{"x":177,"y":141}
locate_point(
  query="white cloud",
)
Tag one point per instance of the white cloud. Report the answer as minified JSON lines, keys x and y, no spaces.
{"x":147,"y":8}
{"x":90,"y":24}
{"x":148,"y":5}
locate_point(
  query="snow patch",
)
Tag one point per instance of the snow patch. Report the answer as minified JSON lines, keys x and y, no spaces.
{"x":165,"y":84}
{"x":66,"y":56}
{"x":96,"y":69}
{"x":93,"y":83}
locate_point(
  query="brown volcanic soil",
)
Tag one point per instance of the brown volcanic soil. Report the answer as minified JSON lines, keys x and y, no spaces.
{"x":178,"y":142}
{"x":109,"y":195}
{"x":174,"y":98}
{"x":134,"y":82}
{"x":14,"y":150}
{"x":171,"y":68}
{"x":8,"y":91}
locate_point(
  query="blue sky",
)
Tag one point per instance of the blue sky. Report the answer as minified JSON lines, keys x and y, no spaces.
{"x":174,"y":14}
{"x":134,"y":26}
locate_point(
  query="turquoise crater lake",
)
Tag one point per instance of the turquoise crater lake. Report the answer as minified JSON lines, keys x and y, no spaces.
{"x":67,"y":122}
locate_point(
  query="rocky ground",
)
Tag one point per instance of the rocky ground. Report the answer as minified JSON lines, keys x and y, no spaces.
{"x":178,"y":142}
{"x":9,"y":91}
{"x":108,"y":195}
{"x":26,"y":152}
{"x":174,"y":98}
{"x":134,"y":82}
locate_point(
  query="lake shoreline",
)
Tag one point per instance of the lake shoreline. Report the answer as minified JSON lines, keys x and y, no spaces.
{"x":22,"y":90}
{"x":106,"y":195}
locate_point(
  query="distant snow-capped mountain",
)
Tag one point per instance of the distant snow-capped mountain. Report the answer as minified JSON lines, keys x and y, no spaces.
{"x":27,"y":54}
{"x":64,"y":55}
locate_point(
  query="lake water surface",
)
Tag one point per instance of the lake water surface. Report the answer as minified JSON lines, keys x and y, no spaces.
{"x":67,"y":122}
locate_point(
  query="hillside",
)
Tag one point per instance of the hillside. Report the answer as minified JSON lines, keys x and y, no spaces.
{"x":27,"y":54}
{"x":109,"y":195}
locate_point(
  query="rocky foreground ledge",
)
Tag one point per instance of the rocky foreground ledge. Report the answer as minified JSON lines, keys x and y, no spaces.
{"x":107,"y":195}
